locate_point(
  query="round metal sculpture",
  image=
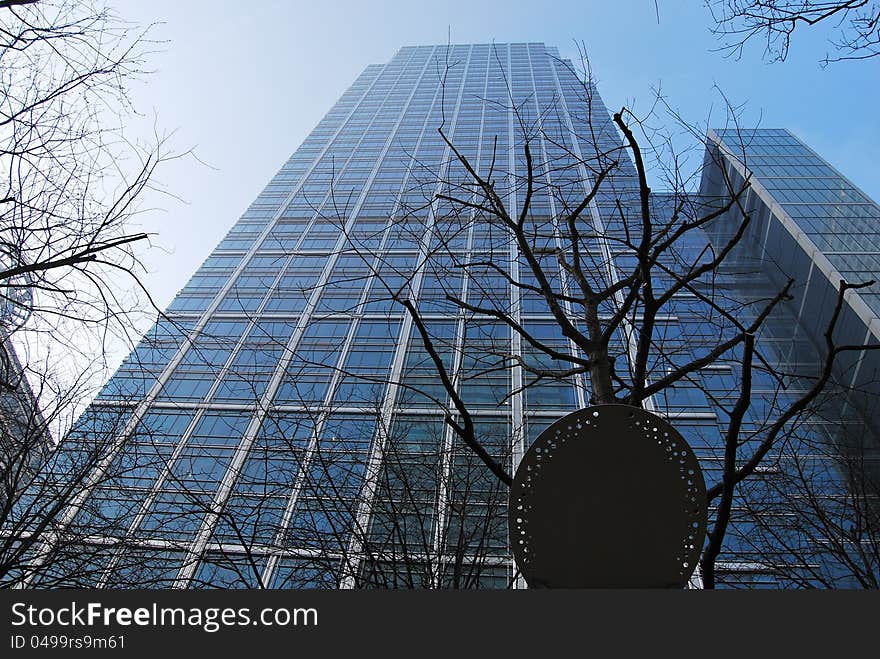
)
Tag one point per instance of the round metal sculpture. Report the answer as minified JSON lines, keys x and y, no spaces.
{"x":608,"y":497}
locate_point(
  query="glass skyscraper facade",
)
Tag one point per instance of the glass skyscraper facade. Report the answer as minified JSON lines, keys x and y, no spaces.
{"x":816,"y":227}
{"x":812,"y":518}
{"x":284,"y":425}
{"x":24,"y":438}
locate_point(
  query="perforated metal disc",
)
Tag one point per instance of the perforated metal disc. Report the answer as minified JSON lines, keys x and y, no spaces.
{"x":609,"y":496}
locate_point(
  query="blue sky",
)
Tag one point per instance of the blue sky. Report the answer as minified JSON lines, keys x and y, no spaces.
{"x":244,"y":83}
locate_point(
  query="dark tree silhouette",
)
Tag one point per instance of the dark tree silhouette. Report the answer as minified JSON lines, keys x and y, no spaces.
{"x":774,"y":22}
{"x":608,"y":289}
{"x":70,"y":184}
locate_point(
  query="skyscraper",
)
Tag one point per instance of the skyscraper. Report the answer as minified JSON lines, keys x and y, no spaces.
{"x":288,"y":423}
{"x":815,"y":226}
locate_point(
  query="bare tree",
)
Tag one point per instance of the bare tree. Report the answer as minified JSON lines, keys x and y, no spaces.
{"x":530,"y":239}
{"x":738,"y":22}
{"x":71,"y":183}
{"x":814,"y":506}
{"x":290,"y":494}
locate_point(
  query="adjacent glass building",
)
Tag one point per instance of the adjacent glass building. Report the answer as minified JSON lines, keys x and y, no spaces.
{"x":24,"y":437}
{"x":284,"y":426}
